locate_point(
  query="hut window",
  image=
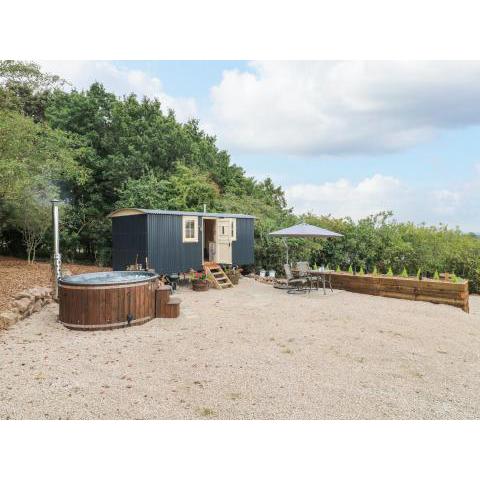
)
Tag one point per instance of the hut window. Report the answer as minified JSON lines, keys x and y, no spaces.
{"x":190,"y":229}
{"x":233,"y":223}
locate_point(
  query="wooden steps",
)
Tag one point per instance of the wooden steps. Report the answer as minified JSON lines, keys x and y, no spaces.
{"x":165,"y":305}
{"x":220,"y":279}
{"x":172,"y":308}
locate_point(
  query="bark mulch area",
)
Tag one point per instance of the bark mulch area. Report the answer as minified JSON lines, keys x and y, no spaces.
{"x":17,"y":275}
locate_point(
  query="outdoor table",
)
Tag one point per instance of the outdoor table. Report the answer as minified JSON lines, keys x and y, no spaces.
{"x":322,"y":275}
{"x":319,"y":276}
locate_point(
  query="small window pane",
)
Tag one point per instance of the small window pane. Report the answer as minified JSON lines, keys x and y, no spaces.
{"x":190,"y":229}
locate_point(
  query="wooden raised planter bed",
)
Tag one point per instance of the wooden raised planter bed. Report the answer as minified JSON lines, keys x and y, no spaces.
{"x":426,"y":290}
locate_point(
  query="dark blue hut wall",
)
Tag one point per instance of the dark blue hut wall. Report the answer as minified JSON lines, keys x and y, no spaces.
{"x":167,"y":253}
{"x":159,"y":237}
{"x":242,"y":248}
{"x":129,"y":240}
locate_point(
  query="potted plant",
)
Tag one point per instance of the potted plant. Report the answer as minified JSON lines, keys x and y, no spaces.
{"x":200,"y":282}
{"x":233,"y":274}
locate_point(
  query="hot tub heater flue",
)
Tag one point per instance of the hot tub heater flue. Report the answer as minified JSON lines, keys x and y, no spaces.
{"x":57,"y":259}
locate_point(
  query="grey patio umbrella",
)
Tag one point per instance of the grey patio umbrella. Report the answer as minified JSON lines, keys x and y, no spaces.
{"x":303,"y":230}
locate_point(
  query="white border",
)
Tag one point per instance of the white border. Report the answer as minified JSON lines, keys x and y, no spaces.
{"x":239,"y":450}
{"x":215,"y":29}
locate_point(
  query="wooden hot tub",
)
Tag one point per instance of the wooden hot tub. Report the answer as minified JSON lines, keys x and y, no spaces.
{"x":105,"y":300}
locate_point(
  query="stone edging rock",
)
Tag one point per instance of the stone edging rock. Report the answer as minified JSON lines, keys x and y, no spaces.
{"x":268,"y":280}
{"x":24,"y":304}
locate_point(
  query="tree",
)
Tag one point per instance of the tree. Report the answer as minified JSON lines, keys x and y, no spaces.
{"x":25,"y":88}
{"x":33,"y":221}
{"x":191,"y":189}
{"x":146,"y":192}
{"x":134,"y":146}
{"x":33,"y":156}
{"x":27,"y":74}
{"x":36,"y":163}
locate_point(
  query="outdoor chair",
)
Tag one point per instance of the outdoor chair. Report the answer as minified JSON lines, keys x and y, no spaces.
{"x":325,"y":277}
{"x":303,"y":269}
{"x":295,"y":285}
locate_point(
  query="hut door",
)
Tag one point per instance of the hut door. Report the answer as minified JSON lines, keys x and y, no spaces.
{"x":224,"y":241}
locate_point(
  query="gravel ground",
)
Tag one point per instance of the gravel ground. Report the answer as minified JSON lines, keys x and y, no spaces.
{"x":251,"y":352}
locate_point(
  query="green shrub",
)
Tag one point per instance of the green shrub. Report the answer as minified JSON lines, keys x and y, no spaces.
{"x":375,"y":271}
{"x":404,"y":273}
{"x":390,"y":272}
{"x":362,"y":271}
{"x":350,"y":269}
{"x":436,"y":276}
{"x":338,"y":269}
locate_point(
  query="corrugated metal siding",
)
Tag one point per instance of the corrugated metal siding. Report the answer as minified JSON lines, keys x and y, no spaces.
{"x":166,"y":251}
{"x":159,"y":237}
{"x":242,"y":248}
{"x":129,"y":239}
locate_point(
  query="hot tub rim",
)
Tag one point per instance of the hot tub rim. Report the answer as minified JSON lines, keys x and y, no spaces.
{"x":148,"y":278}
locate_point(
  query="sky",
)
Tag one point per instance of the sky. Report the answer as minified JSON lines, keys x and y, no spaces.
{"x":344,"y":138}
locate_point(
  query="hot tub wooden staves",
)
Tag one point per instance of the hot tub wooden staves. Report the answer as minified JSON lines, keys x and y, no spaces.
{"x":100,"y":307}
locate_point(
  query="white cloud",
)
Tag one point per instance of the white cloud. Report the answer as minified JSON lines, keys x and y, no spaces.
{"x":343,"y":198}
{"x":121,"y":81}
{"x":446,"y":202}
{"x":343,"y":107}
